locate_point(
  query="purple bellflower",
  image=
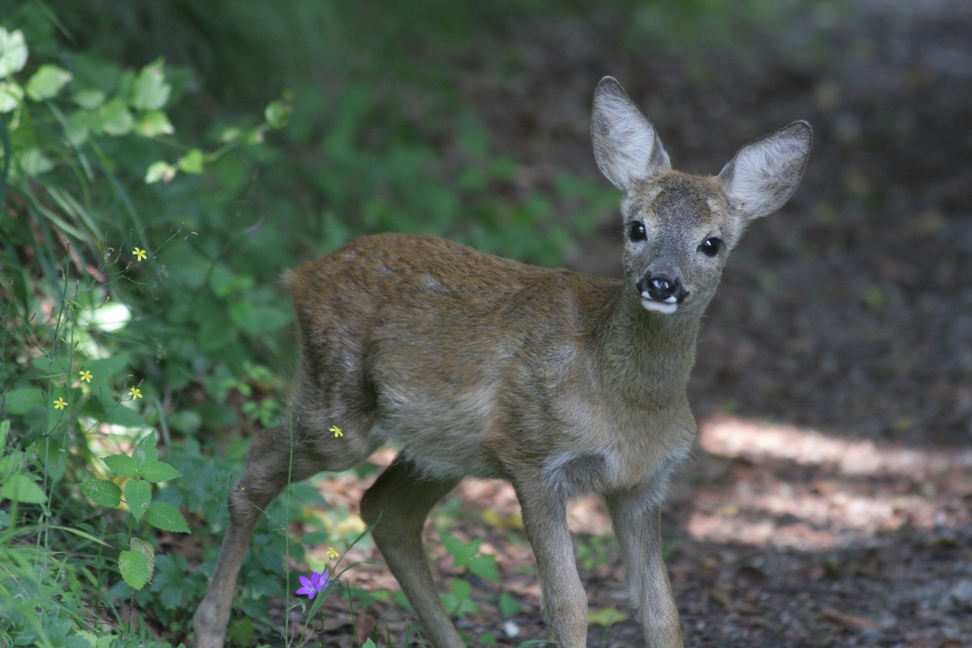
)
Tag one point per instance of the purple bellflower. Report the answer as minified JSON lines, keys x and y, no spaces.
{"x":317,"y":583}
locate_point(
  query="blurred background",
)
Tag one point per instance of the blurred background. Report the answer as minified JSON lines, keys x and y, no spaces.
{"x":843,"y":327}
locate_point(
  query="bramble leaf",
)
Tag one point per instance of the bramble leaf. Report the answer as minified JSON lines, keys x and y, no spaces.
{"x":138,"y":493}
{"x":166,"y":517}
{"x":134,"y":568}
{"x":145,"y":450}
{"x":147,"y":550}
{"x":102,"y":492}
{"x":121,"y":465}
{"x":159,"y":471}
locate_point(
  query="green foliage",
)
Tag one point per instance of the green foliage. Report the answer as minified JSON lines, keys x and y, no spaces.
{"x":457,"y":600}
{"x":467,"y":555}
{"x":595,"y":551}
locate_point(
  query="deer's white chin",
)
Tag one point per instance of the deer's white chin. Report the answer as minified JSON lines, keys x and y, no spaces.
{"x":659,"y":307}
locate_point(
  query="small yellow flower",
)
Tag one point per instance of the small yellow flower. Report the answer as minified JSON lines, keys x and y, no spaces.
{"x":140,"y":254}
{"x":60,"y":403}
{"x":336,"y":431}
{"x":332,"y":553}
{"x":85,"y":375}
{"x":135,"y":393}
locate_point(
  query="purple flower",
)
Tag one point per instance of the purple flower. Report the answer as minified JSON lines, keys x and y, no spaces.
{"x":318,"y":582}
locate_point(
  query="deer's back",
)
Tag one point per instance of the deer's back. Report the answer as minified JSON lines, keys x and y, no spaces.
{"x":446,"y":347}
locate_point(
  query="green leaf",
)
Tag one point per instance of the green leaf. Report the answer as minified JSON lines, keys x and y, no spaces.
{"x":12,"y":462}
{"x":10,"y":95}
{"x":508,"y":605}
{"x":21,"y":488}
{"x":192,"y":162}
{"x":147,"y":550}
{"x":154,"y":124}
{"x":256,"y":320}
{"x":462,"y":552}
{"x":159,"y":471}
{"x":241,"y":632}
{"x":185,"y":421}
{"x":160,"y":171}
{"x":124,"y":416}
{"x":277,"y":113}
{"x":134,"y":568}
{"x":34,"y":162}
{"x":150,"y":91}
{"x":460,"y":588}
{"x":138,"y":493}
{"x":77,"y":127}
{"x":102,"y":492}
{"x":485,"y":567}
{"x":145,"y":450}
{"x":88,"y":98}
{"x":46,"y":82}
{"x":605,"y":617}
{"x":13,"y":52}
{"x":21,"y":401}
{"x":122,"y":465}
{"x":163,"y":515}
{"x":114,"y":118}
{"x":224,"y":282}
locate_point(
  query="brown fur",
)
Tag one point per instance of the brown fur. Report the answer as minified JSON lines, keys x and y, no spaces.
{"x":472,"y":365}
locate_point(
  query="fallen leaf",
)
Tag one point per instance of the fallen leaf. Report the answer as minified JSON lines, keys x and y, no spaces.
{"x":848,"y":621}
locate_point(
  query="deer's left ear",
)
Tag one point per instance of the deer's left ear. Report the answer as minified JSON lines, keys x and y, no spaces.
{"x":763,"y":175}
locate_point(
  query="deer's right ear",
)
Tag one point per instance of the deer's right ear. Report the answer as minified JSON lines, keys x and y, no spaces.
{"x":626,"y":147}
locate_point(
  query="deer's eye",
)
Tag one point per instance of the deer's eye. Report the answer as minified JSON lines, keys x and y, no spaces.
{"x":636,"y":231}
{"x":711,"y":246}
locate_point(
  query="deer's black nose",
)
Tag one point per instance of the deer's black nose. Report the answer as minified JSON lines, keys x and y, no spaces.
{"x":662,"y":287}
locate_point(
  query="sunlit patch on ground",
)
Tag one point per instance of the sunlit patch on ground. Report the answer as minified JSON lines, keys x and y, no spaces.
{"x":816,"y":491}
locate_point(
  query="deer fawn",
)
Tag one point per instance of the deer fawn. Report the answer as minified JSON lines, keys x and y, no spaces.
{"x":560,"y":383}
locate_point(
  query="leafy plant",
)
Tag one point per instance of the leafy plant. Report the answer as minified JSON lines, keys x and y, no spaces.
{"x":467,"y":555}
{"x":142,"y":468}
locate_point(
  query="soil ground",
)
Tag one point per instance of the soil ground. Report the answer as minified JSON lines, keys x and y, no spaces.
{"x":829,"y":502}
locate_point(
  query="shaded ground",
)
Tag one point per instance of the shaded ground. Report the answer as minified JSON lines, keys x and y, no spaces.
{"x":846,"y":319}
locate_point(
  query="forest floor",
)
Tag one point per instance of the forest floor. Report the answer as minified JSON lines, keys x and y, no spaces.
{"x":829,"y":500}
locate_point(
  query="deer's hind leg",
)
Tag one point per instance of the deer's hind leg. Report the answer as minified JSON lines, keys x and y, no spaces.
{"x":276,"y":458}
{"x":397,"y":504}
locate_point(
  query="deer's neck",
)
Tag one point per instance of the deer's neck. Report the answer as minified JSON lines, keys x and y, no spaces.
{"x":649,"y":354}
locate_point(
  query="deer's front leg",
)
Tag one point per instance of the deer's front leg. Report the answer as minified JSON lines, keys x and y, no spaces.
{"x":545,"y":520}
{"x":636,"y":516}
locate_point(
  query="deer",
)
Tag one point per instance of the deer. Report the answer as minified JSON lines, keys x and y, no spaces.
{"x":560,"y":383}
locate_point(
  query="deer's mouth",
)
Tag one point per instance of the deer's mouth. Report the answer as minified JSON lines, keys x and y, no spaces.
{"x":667,"y":307}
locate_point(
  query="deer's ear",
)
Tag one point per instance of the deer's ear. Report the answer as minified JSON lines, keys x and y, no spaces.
{"x":763,"y":175}
{"x":626,"y":147}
